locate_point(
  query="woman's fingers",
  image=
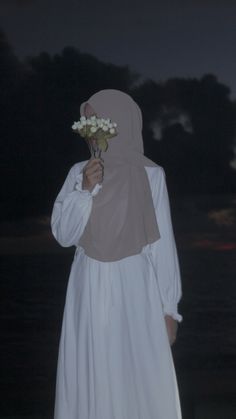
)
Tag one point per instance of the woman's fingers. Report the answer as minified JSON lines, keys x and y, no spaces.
{"x":94,"y":169}
{"x":92,"y":166}
{"x":92,"y":174}
{"x":171,"y":326}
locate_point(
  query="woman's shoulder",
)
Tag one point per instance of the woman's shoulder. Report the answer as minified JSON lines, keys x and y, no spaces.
{"x":155,"y":173}
{"x":157,"y":180}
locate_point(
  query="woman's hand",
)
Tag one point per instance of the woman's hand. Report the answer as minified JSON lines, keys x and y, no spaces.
{"x":171,"y":326}
{"x":92,"y":174}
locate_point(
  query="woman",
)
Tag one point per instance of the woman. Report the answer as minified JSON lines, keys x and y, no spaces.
{"x":120,"y":314}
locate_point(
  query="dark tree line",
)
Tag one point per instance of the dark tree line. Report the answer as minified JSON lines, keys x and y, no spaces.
{"x":196,"y":120}
{"x":189,"y":126}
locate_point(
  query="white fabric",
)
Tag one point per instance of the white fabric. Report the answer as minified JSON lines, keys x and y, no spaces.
{"x":115,"y":360}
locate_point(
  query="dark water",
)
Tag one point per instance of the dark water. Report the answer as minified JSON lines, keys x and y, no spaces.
{"x":32,"y":296}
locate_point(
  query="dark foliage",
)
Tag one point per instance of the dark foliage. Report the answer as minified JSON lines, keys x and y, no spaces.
{"x":40,"y":99}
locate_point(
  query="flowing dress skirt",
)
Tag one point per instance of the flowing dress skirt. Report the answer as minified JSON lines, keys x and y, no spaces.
{"x":115,"y":360}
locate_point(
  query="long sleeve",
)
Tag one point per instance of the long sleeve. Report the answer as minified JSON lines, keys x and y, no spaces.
{"x":164,"y":252}
{"x":72,"y":208}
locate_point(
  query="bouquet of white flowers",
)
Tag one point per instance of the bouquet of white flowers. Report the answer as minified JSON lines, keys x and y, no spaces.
{"x":96,"y":131}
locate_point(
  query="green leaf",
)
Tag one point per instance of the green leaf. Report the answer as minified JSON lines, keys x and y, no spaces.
{"x":102,"y":144}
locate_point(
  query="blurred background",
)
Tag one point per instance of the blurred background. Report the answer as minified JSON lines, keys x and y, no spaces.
{"x":177,"y":60}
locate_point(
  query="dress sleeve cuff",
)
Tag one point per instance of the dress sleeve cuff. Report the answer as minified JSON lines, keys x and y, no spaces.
{"x":78,"y":187}
{"x":173,"y":312}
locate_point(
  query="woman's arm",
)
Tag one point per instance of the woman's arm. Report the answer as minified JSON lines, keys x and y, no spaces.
{"x":72,"y":208}
{"x":164,"y":253}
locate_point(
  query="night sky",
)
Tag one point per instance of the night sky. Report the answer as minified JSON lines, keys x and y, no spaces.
{"x":158,"y":39}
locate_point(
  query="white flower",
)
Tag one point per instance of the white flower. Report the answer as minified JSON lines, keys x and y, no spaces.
{"x":87,"y":127}
{"x":76,"y":126}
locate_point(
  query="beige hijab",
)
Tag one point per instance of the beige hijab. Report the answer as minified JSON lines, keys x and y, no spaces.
{"x":123,"y":218}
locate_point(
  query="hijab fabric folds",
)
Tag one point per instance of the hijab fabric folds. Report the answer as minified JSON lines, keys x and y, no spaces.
{"x":122,"y":219}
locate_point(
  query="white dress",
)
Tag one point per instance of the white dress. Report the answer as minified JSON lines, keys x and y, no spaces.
{"x":115,"y":361}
